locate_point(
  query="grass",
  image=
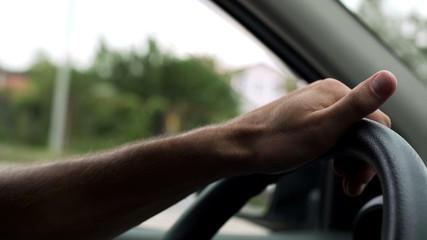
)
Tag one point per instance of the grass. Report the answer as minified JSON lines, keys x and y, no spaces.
{"x":20,"y":154}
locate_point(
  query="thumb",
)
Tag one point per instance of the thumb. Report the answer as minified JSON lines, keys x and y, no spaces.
{"x":363,"y":100}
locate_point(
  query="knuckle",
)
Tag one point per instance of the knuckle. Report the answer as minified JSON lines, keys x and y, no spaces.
{"x":327,"y":83}
{"x":333,"y":87}
{"x":332,"y":81}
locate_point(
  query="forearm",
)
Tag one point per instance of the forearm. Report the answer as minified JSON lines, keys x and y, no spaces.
{"x":104,"y":194}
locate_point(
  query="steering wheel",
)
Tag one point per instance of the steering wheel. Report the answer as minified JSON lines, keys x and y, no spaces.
{"x":401,"y":171}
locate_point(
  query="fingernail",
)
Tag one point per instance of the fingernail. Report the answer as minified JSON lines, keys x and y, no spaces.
{"x":381,"y":83}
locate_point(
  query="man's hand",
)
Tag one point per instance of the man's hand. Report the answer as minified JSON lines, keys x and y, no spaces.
{"x":101,"y":195}
{"x":303,"y":125}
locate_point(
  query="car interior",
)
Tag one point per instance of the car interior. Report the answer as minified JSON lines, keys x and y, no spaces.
{"x":320,"y":39}
{"x":348,"y":40}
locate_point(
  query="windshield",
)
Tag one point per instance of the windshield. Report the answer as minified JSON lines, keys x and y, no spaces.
{"x":402,"y":25}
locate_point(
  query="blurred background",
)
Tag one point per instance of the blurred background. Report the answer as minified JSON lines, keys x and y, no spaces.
{"x":82,"y":76}
{"x":79,"y":76}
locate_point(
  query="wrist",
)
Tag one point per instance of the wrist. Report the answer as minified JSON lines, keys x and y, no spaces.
{"x":236,"y":147}
{"x":225,"y":149}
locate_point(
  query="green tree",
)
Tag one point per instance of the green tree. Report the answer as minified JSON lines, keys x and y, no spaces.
{"x":27,"y":117}
{"x":122,"y":96}
{"x":129,"y":95}
{"x":406,"y":35}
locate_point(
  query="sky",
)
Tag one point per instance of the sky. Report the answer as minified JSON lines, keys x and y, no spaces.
{"x":185,"y":27}
{"x":76,"y":26}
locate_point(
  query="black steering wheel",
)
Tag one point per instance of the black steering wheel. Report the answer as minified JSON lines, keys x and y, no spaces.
{"x":401,"y":171}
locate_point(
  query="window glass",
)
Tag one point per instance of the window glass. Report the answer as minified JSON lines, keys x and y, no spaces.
{"x":82,"y":76}
{"x":402,"y":25}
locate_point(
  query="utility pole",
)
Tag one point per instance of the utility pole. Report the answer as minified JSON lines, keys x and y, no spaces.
{"x":58,"y":118}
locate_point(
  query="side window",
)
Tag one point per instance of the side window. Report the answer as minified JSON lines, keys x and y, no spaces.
{"x":400,"y":25}
{"x":79,"y":78}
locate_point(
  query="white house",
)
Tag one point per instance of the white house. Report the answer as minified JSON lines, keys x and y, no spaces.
{"x":260,"y":84}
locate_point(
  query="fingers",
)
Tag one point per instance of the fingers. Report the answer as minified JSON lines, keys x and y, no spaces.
{"x":380,"y":117}
{"x":356,"y":175}
{"x":364,"y":100}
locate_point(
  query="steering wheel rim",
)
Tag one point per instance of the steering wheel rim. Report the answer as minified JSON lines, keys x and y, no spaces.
{"x":400,"y":170}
